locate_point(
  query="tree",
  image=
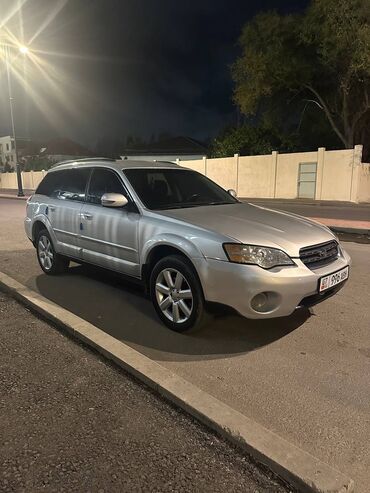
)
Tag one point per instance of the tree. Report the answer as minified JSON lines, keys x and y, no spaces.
{"x":319,"y":58}
{"x":249,"y":140}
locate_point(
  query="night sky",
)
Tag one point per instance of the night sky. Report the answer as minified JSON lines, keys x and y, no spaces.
{"x":126,"y":67}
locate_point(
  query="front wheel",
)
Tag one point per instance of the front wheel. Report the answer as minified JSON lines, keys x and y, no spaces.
{"x":50,"y":261}
{"x":177,"y":295}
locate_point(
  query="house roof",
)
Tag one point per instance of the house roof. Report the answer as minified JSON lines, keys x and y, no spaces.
{"x":64,"y":147}
{"x":174,"y":145}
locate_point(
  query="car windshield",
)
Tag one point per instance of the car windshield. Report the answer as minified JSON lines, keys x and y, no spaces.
{"x":176,"y":189}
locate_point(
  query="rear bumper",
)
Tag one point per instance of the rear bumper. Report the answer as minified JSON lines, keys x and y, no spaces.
{"x":236,"y":285}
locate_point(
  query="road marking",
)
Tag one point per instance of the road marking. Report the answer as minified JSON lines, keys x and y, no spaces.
{"x":300,"y":469}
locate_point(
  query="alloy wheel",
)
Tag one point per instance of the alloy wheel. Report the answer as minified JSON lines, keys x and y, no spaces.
{"x":174,"y":295}
{"x":45,"y":251}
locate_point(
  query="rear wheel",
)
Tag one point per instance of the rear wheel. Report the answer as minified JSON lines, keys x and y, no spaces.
{"x":50,"y":261}
{"x":177,"y":295}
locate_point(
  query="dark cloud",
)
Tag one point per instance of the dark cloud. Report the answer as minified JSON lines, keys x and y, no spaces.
{"x":120,"y":67}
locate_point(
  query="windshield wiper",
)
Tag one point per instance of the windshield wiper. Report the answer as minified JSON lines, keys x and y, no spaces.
{"x":220,"y":203}
{"x":179,"y":206}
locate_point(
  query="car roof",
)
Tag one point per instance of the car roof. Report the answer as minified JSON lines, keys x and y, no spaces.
{"x":118,"y":165}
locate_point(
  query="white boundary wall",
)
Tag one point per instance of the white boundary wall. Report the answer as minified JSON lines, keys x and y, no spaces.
{"x":340,"y":174}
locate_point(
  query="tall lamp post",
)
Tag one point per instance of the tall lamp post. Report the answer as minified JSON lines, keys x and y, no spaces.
{"x":24,"y":51}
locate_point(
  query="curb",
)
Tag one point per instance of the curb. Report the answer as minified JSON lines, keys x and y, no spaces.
{"x":300,"y":469}
{"x":350,"y":231}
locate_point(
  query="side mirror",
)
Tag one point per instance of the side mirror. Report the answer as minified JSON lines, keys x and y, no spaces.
{"x":113,"y":200}
{"x":232,"y":193}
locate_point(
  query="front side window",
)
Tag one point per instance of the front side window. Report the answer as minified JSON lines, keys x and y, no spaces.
{"x":103,"y":181}
{"x":176,"y":188}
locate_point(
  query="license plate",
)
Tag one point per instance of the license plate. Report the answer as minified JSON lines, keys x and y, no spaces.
{"x":333,"y":279}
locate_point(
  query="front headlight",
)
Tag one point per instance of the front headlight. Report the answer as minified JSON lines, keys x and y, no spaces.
{"x":252,"y":254}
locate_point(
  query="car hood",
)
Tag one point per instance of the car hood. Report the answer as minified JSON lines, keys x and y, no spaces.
{"x":248,"y":223}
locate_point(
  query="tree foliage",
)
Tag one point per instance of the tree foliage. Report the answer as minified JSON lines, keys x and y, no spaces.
{"x":249,"y":140}
{"x":36,"y":163}
{"x":320,"y":58}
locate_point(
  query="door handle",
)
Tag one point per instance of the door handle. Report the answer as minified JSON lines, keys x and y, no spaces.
{"x":51,"y":208}
{"x":87,"y":216}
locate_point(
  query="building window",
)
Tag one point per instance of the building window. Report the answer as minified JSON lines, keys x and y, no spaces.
{"x":11,"y":157}
{"x":13,"y":145}
{"x":7,"y":147}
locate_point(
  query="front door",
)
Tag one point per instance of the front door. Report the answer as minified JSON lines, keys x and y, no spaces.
{"x":109,"y":236}
{"x":307,"y":180}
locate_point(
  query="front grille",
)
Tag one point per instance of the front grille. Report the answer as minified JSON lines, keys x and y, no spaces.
{"x":319,"y":255}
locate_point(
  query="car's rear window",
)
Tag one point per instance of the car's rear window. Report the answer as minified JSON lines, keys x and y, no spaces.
{"x":65,"y":184}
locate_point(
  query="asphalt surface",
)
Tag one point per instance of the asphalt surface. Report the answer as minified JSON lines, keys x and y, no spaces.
{"x":325,"y":209}
{"x":72,"y":422}
{"x":305,"y":377}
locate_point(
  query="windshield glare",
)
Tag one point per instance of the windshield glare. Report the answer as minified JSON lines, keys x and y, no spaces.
{"x":176,"y":188}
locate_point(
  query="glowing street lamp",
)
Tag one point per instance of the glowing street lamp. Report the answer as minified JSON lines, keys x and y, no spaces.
{"x":24,"y":50}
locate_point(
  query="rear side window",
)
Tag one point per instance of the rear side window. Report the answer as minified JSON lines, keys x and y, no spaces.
{"x":103,"y":181}
{"x":73,"y":184}
{"x":65,"y":184}
{"x":51,"y":182}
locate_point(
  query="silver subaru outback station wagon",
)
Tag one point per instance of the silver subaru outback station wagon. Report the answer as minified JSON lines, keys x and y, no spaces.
{"x":188,"y":240}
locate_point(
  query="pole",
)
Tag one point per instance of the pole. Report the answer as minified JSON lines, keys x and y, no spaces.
{"x":17,"y":166}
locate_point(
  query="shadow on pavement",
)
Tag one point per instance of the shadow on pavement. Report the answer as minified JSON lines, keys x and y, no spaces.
{"x":121,"y":309}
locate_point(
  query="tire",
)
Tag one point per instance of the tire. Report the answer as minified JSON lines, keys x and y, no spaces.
{"x":51,"y":263}
{"x":177,"y":295}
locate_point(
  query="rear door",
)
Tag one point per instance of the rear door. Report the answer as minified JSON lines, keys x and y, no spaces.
{"x":64,"y":207}
{"x":109,"y":236}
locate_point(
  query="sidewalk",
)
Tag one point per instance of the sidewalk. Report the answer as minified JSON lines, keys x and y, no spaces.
{"x":11,"y":193}
{"x":70,"y":421}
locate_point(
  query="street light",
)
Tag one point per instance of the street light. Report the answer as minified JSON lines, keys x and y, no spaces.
{"x":24,"y":50}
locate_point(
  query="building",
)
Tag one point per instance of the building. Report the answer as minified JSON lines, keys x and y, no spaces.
{"x":37,"y":155}
{"x":7,"y":151}
{"x":171,"y":149}
{"x":61,"y":149}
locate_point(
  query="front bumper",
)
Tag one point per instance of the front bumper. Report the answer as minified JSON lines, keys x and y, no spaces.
{"x":236,"y":285}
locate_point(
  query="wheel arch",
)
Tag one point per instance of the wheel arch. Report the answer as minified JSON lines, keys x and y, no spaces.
{"x":161,"y":249}
{"x":39,"y":223}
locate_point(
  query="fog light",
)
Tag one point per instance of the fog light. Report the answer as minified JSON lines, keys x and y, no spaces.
{"x":259,"y":301}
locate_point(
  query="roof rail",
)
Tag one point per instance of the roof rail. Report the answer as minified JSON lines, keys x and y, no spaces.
{"x":166,"y":162}
{"x":83,"y":160}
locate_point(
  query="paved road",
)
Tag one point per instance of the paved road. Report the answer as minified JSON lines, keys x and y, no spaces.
{"x":332,"y":210}
{"x":72,"y":422}
{"x":306,"y":377}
